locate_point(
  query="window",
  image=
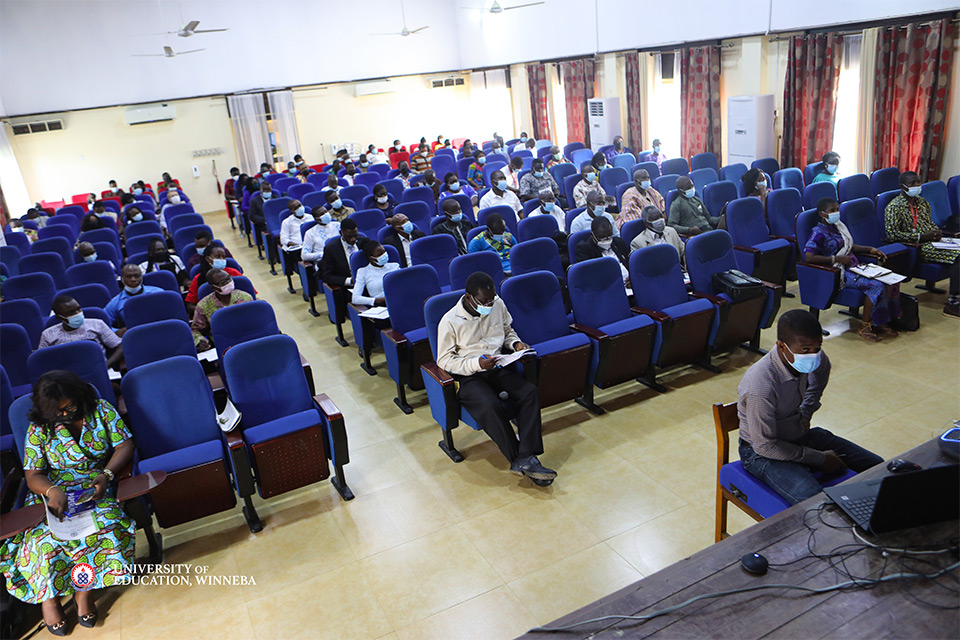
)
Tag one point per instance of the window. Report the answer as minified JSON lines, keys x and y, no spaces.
{"x":559,"y":104}
{"x":665,"y":104}
{"x":848,"y":107}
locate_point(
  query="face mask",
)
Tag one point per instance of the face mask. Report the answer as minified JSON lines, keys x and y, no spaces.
{"x":832,"y":168}
{"x":113,"y":189}
{"x":605,"y":244}
{"x":293,"y":172}
{"x":75,"y":321}
{"x":761,"y":184}
{"x":300,"y":212}
{"x":497,"y":237}
{"x":538,"y":174}
{"x":138,"y":218}
{"x":133,"y":290}
{"x":502,"y":185}
{"x":138,"y":191}
{"x":364,"y":164}
{"x":382,"y":259}
{"x":689,"y":193}
{"x":383,"y":199}
{"x":601,"y":167}
{"x":457,"y":217}
{"x":18,"y":229}
{"x":227,"y":289}
{"x":549,"y":206}
{"x":833,"y":218}
{"x":656,"y":149}
{"x":200,"y":250}
{"x":326,"y":218}
{"x":219,"y":263}
{"x":523,"y":140}
{"x":590,"y":177}
{"x":161,"y":256}
{"x":407,"y":227}
{"x":913,"y":192}
{"x":90,"y":258}
{"x":805,"y":362}
{"x":484,"y":309}
{"x":644,"y":184}
{"x":337,"y":204}
{"x":175,"y":199}
{"x":454,"y":186}
{"x":266,"y":195}
{"x":658,"y":225}
{"x":482,"y":160}
{"x":557,"y":157}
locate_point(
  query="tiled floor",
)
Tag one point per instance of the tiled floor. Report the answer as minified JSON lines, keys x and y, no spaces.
{"x":430,"y":549}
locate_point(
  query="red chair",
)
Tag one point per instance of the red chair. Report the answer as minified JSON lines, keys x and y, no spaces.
{"x":53,"y":205}
{"x":80,"y":198}
{"x":397,"y":158}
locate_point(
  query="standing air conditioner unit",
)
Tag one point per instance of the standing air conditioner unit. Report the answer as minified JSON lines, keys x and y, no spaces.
{"x":604,"y":121}
{"x":750,"y":132}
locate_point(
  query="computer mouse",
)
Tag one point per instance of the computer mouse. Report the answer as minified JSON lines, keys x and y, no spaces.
{"x":899,"y":465}
{"x":754,"y":563}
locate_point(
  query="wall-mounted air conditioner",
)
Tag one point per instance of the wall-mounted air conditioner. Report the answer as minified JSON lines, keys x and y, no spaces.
{"x":440,"y":83}
{"x":603,"y":116}
{"x":372,"y":88}
{"x":36,"y":126}
{"x":144,"y":113}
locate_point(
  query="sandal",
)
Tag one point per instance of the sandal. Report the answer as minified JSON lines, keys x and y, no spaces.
{"x":89,"y":620}
{"x":59,"y":629}
{"x":886,"y":330}
{"x":866,"y":332}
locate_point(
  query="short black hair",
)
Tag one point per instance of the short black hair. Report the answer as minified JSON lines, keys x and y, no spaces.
{"x":448,"y":204}
{"x":908,"y":176}
{"x":601,"y":226}
{"x":478,"y":281}
{"x":536,"y":164}
{"x":331,"y":192}
{"x":203,"y":233}
{"x":370,"y":247}
{"x":449,"y":174}
{"x":496,"y":220}
{"x":60,"y":300}
{"x":478,"y":153}
{"x":348,"y":224}
{"x":57,"y":384}
{"x":798,"y":322}
{"x":823,"y":203}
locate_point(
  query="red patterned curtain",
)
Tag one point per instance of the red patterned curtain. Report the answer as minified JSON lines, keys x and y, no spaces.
{"x":911,"y":91}
{"x":700,"y":101}
{"x":634,"y":115}
{"x":810,"y":98}
{"x":537,"y":82}
{"x":578,"y":77}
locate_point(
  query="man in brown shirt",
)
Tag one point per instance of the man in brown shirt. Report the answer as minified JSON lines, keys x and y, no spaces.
{"x":777,"y":398}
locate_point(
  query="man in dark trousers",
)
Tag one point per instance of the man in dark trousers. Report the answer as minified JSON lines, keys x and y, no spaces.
{"x":602,"y":243}
{"x":401,"y":235}
{"x":335,"y":263}
{"x":456,"y":224}
{"x":256,"y":214}
{"x":469,"y":338}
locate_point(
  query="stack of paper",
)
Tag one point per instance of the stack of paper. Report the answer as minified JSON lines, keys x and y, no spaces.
{"x":947,"y":243}
{"x":876,"y":272}
{"x":503,"y":361}
{"x":376,"y":313}
{"x":210,"y":355}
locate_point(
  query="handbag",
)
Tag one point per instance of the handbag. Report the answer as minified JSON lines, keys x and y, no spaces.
{"x":737,"y":285}
{"x":909,"y":319}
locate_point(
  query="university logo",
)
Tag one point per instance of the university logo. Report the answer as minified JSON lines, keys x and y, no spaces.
{"x":83,"y":575}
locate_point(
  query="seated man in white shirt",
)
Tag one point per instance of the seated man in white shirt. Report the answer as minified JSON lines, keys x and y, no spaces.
{"x":291,"y":241}
{"x":469,"y":338}
{"x":548,"y":207}
{"x":368,"y":288}
{"x":512,"y":173}
{"x":594,"y":210}
{"x":500,"y":193}
{"x":333,"y":184}
{"x":317,"y":236}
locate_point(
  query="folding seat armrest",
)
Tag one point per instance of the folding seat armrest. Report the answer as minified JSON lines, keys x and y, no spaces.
{"x":821,"y":267}
{"x":773,"y":287}
{"x":337,"y":426}
{"x":130,"y":488}
{"x":950,"y":234}
{"x":434,"y":371}
{"x":243,"y":474}
{"x":717,"y":300}
{"x":743,"y":247}
{"x":397,"y":338}
{"x":590,"y":332}
{"x":659,"y":316}
{"x":787,"y":238}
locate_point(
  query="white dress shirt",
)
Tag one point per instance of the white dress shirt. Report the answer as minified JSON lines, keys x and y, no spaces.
{"x":290,"y":232}
{"x":558,"y":214}
{"x":406,"y":242}
{"x":508,"y":198}
{"x":316,"y":237}
{"x":369,"y":285}
{"x":584,"y":221}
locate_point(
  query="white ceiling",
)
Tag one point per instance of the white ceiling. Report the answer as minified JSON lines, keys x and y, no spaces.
{"x":57,"y":55}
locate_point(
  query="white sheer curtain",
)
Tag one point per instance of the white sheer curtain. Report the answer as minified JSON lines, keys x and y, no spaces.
{"x":285,"y":124}
{"x":249,"y":120}
{"x":846,"y":125}
{"x":868,"y":71}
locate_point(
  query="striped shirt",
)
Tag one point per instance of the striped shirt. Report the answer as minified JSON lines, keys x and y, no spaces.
{"x":92,"y":329}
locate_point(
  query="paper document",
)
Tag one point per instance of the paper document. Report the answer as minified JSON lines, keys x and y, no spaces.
{"x":229,"y":418}
{"x":878,"y":273}
{"x":503,"y":361}
{"x":210,"y":355}
{"x":113,"y":375}
{"x":376,"y":313}
{"x":78,"y":522}
{"x":947,"y":243}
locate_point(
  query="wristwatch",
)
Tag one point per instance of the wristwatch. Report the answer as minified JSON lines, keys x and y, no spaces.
{"x":108,"y":473}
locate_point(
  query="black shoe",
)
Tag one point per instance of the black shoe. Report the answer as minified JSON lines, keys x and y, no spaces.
{"x":532,"y":468}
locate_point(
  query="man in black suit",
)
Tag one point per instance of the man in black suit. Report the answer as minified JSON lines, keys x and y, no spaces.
{"x":456,"y":224}
{"x":602,"y":243}
{"x":335,"y":263}
{"x":256,"y":214}
{"x":401,"y":235}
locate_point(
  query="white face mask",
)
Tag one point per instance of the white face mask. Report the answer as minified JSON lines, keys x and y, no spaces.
{"x":174,"y":199}
{"x":605,"y":244}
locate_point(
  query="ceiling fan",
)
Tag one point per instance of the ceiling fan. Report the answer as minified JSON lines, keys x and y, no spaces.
{"x":495,"y":8}
{"x":168,"y":52}
{"x":404,"y":31}
{"x":191,"y":28}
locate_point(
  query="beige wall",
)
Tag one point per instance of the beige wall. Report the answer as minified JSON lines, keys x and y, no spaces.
{"x":96,"y":146}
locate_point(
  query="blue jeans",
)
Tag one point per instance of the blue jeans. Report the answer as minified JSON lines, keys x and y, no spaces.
{"x":794,"y":481}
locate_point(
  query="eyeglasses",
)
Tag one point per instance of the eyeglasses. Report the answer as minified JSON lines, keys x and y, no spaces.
{"x":66,"y":411}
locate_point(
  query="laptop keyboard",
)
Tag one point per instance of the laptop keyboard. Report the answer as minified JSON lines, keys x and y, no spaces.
{"x":861,"y":508}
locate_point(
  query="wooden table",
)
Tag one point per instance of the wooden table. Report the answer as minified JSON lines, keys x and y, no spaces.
{"x":888,"y":610}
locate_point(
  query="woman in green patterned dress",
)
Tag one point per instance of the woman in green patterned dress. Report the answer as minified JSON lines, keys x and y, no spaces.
{"x":74,"y":440}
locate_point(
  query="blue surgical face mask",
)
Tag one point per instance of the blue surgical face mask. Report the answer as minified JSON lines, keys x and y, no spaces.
{"x":498,"y":237}
{"x":337,"y":204}
{"x":138,"y":191}
{"x":538,"y":174}
{"x":75,"y":321}
{"x":293,"y":171}
{"x":549,"y":206}
{"x":805,"y":362}
{"x":644,"y":184}
{"x":302,"y":211}
{"x":833,"y":218}
{"x":364,"y":164}
{"x":382,"y":259}
{"x":201,"y":250}
{"x":407,"y":227}
{"x":913,"y":192}
{"x":457,"y":217}
{"x":485,"y":309}
{"x":689,"y":193}
{"x":523,"y":139}
{"x":761,"y":184}
{"x":90,"y":258}
{"x":589,"y":177}
{"x":832,"y":168}
{"x":133,"y":290}
{"x":502,"y":185}
{"x":482,"y":160}
{"x":138,"y":218}
{"x":114,"y":189}
{"x":266,"y":195}
{"x":326,"y":218}
{"x":454,"y":186}
{"x":219,"y":263}
{"x":656,"y":149}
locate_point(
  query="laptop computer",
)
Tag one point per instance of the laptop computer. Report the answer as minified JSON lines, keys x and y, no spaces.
{"x":901,"y":500}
